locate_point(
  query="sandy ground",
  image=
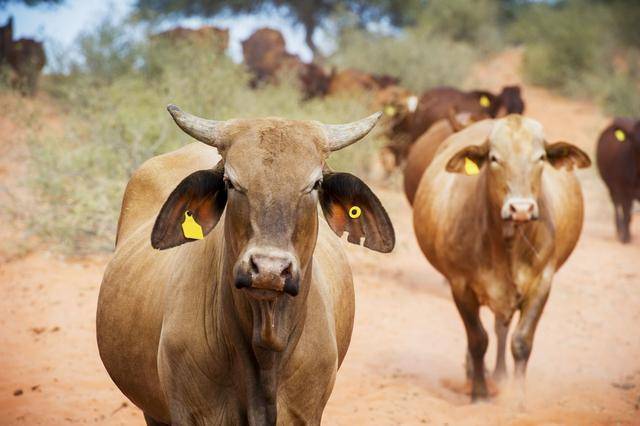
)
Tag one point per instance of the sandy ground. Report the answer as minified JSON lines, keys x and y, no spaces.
{"x":405,"y":362}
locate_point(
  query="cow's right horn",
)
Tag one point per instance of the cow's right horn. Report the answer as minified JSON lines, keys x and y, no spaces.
{"x":207,"y":131}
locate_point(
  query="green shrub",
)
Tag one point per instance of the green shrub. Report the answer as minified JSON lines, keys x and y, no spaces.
{"x":420,"y":59}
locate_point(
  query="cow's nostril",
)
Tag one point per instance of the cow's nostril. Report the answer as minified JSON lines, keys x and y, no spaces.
{"x":512,"y":208}
{"x":254,"y":266}
{"x":286,"y":272}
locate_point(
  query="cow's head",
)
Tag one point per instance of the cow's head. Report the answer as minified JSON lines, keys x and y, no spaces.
{"x":397,"y":104}
{"x":513,"y":159}
{"x":481,"y":101}
{"x":511,"y":100}
{"x":271,"y":178}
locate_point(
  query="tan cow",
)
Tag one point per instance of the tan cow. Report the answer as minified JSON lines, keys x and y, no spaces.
{"x":500,"y":230}
{"x":249,"y":324}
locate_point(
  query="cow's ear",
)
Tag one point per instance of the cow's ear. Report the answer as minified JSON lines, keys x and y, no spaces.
{"x":563,"y":154}
{"x":349,"y":205}
{"x":192,"y":210}
{"x":469,"y":159}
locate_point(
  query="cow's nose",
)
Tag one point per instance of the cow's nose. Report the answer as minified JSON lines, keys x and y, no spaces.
{"x":520,"y":210}
{"x":270,"y":265}
{"x":271,"y":270}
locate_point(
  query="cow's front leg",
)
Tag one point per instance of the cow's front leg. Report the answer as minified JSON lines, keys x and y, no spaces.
{"x":530,"y":312}
{"x":502,"y":330}
{"x":477,"y":338}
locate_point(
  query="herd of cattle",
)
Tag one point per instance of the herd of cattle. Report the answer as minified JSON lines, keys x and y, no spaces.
{"x":230,"y":301}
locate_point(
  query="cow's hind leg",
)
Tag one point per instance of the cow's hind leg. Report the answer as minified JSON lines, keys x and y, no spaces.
{"x":502,"y":330}
{"x":625,"y":234}
{"x":151,"y":422}
{"x":477,"y":338}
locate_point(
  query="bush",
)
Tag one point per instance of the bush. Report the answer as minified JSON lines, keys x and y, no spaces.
{"x":572,"y":47}
{"x":420,"y":59}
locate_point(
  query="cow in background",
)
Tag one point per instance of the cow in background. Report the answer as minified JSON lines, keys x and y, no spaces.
{"x":618,"y":159}
{"x":266,"y":57}
{"x":436,"y":103}
{"x":25,"y":56}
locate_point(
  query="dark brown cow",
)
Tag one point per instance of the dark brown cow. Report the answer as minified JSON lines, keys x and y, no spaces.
{"x":25,"y":56}
{"x":618,"y":159}
{"x":436,"y":103}
{"x":218,"y":38}
{"x":6,"y":37}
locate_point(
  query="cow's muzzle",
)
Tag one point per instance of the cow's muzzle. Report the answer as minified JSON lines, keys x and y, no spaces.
{"x":268,"y":270}
{"x":520,"y":209}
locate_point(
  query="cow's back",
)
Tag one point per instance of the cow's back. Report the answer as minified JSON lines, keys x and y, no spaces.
{"x":151,"y":184}
{"x":421,"y":154}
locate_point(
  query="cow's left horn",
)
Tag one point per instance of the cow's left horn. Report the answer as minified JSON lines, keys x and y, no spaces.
{"x":207,"y":131}
{"x":342,"y":135}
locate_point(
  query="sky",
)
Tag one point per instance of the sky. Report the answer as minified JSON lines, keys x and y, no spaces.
{"x":60,"y":25}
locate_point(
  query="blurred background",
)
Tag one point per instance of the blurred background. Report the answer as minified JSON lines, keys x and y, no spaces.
{"x":83,"y":90}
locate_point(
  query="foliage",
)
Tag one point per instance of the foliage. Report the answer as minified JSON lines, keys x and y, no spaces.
{"x":30,"y":3}
{"x":420,"y":59}
{"x":577,"y":48}
{"x":310,"y":14}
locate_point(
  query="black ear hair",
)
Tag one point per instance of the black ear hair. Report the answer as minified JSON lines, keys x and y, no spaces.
{"x":202,"y":197}
{"x":349,"y":205}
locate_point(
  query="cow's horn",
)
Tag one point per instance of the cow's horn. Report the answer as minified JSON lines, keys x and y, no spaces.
{"x":207,"y":131}
{"x":342,"y":135}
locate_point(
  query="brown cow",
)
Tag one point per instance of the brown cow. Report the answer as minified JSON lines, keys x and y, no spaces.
{"x":264,"y":52}
{"x":250,"y":324}
{"x":618,"y":159}
{"x":424,"y":149}
{"x":436,"y":103}
{"x":500,"y":229}
{"x":398,"y":105}
{"x":349,"y":81}
{"x":266,"y":57}
{"x":25,"y":56}
{"x":216,"y":38}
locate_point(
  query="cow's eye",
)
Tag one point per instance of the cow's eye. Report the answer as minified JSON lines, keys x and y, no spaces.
{"x":542,"y":157}
{"x":317,"y":185}
{"x":228,"y":184}
{"x":493,"y":159}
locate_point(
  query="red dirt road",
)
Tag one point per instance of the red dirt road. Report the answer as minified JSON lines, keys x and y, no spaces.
{"x":405,"y":361}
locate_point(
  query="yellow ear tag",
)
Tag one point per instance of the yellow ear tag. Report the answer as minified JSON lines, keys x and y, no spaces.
{"x":620,"y":135}
{"x":190,"y":227}
{"x":470,"y":167}
{"x":484,"y":101}
{"x":390,"y":110}
{"x":355,"y":212}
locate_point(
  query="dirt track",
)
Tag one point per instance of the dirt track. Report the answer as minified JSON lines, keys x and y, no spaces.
{"x":404,"y":365}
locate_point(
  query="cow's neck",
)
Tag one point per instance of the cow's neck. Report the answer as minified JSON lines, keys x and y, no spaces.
{"x":262,"y":337}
